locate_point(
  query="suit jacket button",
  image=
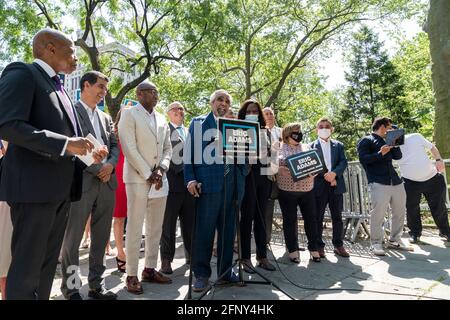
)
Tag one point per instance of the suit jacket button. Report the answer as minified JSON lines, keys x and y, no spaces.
{"x":74,"y":158}
{"x":155,"y":157}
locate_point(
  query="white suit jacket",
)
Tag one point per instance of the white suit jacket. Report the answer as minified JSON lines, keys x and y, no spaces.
{"x":143,"y":148}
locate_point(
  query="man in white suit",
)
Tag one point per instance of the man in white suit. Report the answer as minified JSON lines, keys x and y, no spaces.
{"x":145,"y":139}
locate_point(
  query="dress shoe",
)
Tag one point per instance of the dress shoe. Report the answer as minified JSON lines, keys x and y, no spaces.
{"x":166,"y":267}
{"x":340,"y":251}
{"x":445,"y":236}
{"x":321,"y":252}
{"x":294,"y":257}
{"x":315,"y":256}
{"x":133,"y":285}
{"x":414,"y":239}
{"x":74,"y":296}
{"x":248,"y":266}
{"x":102,"y":294}
{"x":265,"y":264}
{"x":200,"y":284}
{"x":151,"y":275}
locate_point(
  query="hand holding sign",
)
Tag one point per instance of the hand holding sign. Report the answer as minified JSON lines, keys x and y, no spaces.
{"x":304,"y":164}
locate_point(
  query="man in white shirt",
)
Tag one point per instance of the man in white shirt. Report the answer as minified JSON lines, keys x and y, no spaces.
{"x":275,"y":135}
{"x":421,"y":176}
{"x":180,"y":203}
{"x":97,"y":200}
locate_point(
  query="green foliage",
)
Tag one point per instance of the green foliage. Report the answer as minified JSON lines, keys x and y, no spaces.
{"x":413,"y":64}
{"x":374,"y":90}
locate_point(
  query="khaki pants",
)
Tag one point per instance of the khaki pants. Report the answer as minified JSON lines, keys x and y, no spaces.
{"x":140,"y":208}
{"x":381,"y":197}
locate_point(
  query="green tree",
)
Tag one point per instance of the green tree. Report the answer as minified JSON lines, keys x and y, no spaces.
{"x":413,"y":64}
{"x":374,"y":90}
{"x":160,"y":31}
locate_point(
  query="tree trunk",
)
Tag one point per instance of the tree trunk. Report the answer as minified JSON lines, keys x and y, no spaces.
{"x":438,"y":29}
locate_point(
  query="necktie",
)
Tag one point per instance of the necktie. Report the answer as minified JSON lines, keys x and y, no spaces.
{"x":181,"y":133}
{"x":227,"y":167}
{"x":66,"y":103}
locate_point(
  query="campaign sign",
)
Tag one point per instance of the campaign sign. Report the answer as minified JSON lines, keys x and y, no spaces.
{"x":302,"y":164}
{"x":239,"y":138}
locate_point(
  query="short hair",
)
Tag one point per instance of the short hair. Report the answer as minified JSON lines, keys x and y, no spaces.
{"x":380,"y":121}
{"x":220,"y":92}
{"x":243,"y":111}
{"x":268,"y":109}
{"x":92,"y":77}
{"x":173,"y":105}
{"x":324,"y":119}
{"x":289,"y":128}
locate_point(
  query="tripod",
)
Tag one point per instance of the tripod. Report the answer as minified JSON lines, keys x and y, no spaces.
{"x":239,"y":261}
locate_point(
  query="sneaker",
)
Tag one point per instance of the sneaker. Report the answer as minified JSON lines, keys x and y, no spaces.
{"x":200,"y":284}
{"x":378,"y":250}
{"x":414,"y":239}
{"x":399,"y":245}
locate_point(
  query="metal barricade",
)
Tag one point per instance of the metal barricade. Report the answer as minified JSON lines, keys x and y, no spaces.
{"x":356,"y":211}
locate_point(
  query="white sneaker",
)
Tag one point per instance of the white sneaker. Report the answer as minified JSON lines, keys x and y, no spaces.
{"x":377,"y":249}
{"x":400,"y":245}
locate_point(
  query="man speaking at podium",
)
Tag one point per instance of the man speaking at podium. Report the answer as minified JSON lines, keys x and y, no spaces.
{"x":211,"y":182}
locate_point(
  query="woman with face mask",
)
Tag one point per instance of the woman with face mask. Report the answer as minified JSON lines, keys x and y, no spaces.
{"x":293,"y":194}
{"x":257,"y":191}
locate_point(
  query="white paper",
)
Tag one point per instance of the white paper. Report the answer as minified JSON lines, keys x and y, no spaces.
{"x":88,"y":159}
{"x":162,"y":192}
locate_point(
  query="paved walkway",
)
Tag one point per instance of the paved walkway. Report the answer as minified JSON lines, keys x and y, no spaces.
{"x":422,"y":274}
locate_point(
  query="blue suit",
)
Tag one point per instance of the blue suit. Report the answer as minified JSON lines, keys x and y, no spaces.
{"x":331,"y":196}
{"x":215,"y":205}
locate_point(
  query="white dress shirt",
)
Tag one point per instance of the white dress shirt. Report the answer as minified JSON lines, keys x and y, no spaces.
{"x":149,"y":117}
{"x":51,"y":73}
{"x":95,"y":121}
{"x":326,"y":150}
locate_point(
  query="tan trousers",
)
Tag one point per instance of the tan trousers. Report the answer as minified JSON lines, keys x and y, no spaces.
{"x":140,"y":208}
{"x":383,"y":196}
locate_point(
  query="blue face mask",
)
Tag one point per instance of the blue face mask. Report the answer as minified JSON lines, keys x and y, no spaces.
{"x":251,"y":117}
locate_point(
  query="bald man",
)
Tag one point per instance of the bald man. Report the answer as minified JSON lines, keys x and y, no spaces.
{"x":145,"y":139}
{"x":39,"y":175}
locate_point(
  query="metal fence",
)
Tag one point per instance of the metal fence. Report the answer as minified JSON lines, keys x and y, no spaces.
{"x":356,"y":210}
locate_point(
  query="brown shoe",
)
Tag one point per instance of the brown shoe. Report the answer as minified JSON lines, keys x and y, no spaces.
{"x":340,"y":251}
{"x":151,"y":275}
{"x":166,"y":267}
{"x":322,"y":252}
{"x":134,"y":286}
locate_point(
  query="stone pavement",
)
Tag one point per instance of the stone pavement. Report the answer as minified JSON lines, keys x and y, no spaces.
{"x":419,"y":275}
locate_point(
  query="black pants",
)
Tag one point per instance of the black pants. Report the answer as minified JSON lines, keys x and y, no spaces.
{"x":253,"y":208}
{"x":307,"y":203}
{"x":179,"y":205}
{"x":434,"y":190}
{"x":38,"y":231}
{"x":335,"y":204}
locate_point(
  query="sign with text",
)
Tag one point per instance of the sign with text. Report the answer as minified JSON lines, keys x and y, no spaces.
{"x":239,"y":138}
{"x":302,"y":164}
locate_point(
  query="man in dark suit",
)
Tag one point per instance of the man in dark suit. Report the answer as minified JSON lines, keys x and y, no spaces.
{"x":211,"y":181}
{"x":180,"y":203}
{"x":98,"y":198}
{"x":329,"y":187}
{"x":39,"y":175}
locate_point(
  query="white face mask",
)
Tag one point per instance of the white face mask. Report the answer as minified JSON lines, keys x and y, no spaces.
{"x":251,"y":117}
{"x":324,"y":133}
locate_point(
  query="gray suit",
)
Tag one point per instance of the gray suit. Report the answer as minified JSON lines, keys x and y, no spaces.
{"x":98,"y":199}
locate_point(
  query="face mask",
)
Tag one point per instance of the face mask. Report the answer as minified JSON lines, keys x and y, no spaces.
{"x":251,"y":117}
{"x":324,"y":133}
{"x":297,"y":136}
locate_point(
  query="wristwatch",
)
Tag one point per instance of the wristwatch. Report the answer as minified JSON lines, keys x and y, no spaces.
{"x":438,"y":160}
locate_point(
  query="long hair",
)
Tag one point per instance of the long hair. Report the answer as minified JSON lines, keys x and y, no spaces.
{"x":243,"y":111}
